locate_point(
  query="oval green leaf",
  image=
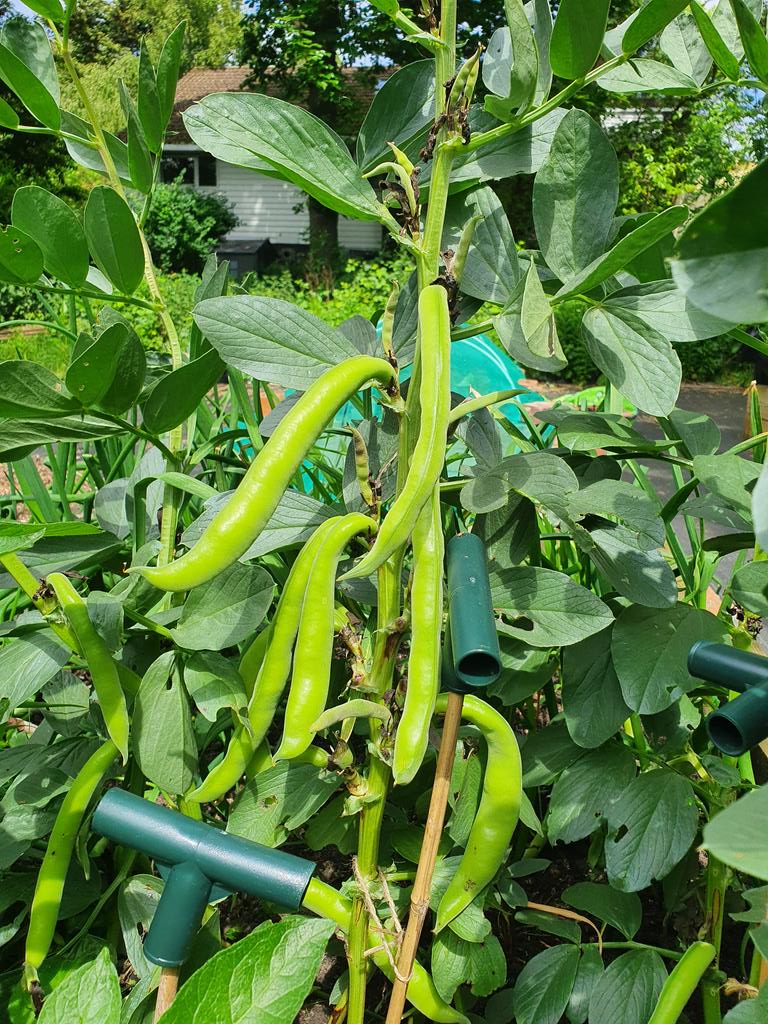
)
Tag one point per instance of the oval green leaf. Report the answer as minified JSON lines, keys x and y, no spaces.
{"x":113,"y":238}
{"x":577,"y":36}
{"x":56,"y":229}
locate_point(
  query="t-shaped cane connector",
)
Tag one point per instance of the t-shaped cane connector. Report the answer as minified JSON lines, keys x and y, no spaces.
{"x":199,"y":863}
{"x":742,"y":723}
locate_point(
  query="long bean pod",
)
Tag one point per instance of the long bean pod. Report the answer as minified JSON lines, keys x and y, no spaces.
{"x":101,"y":664}
{"x":314,"y":644}
{"x":429,"y":451}
{"x":272,"y":675}
{"x":325,"y":901}
{"x":239,"y":523}
{"x":497,"y":813}
{"x":424,"y":657}
{"x":49,"y":887}
{"x":682,"y":983}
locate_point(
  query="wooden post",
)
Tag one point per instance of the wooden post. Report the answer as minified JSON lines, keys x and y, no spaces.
{"x":422,"y":885}
{"x":166,"y":990}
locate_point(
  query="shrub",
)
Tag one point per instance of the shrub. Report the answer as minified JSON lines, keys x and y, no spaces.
{"x":184,"y":225}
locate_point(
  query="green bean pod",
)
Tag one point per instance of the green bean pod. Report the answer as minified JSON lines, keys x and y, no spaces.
{"x":497,"y":813}
{"x":101,"y":664}
{"x":314,"y":644}
{"x":273,"y":672}
{"x":325,"y":901}
{"x":46,"y":901}
{"x":424,"y":658}
{"x":682,"y":983}
{"x":239,"y":523}
{"x":429,"y":452}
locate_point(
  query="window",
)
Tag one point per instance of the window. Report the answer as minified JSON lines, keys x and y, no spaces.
{"x":188,"y":168}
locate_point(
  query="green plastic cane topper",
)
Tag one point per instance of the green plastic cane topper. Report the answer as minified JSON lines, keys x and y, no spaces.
{"x":199,"y":863}
{"x":742,"y":723}
{"x":473,"y":641}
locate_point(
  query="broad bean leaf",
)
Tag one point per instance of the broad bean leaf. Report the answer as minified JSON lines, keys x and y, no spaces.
{"x":56,"y":553}
{"x":28,"y":389}
{"x":454,"y":961}
{"x":624,"y":501}
{"x":95,"y":363}
{"x":293,"y":521}
{"x":56,"y":229}
{"x":113,"y":238}
{"x":178,"y":394}
{"x":736,"y":836}
{"x":650,"y":829}
{"x":26,"y":665}
{"x":90,"y":992}
{"x":21,"y":260}
{"x":20,"y":437}
{"x":509,"y":533}
{"x":636,"y":572}
{"x":517,"y":93}
{"x":698,"y":432}
{"x":650,"y":652}
{"x":527,"y":327}
{"x":622,"y":910}
{"x":543,"y":987}
{"x":577,"y":184}
{"x":645,"y":75}
{"x":8,"y":116}
{"x":213,"y":682}
{"x":724,"y":58}
{"x":148,"y":101}
{"x":401,"y":112}
{"x":540,"y":476}
{"x":663,"y":307}
{"x":523,"y":152}
{"x":167,"y":71}
{"x":547,"y":607}
{"x":136,"y":905}
{"x":730,"y":478}
{"x":28,"y":69}
{"x":546,"y":753}
{"x":492,"y":268}
{"x":162,"y":735}
{"x":577,"y":36}
{"x":628,"y":248}
{"x":724,"y":271}
{"x":634,"y":982}
{"x":682,"y":43}
{"x":753,"y":39}
{"x":270,"y":339}
{"x":277,"y":801}
{"x":760,"y":508}
{"x":139,"y":159}
{"x":262,"y":979}
{"x":725,"y":22}
{"x":749,"y":587}
{"x":226,"y":610}
{"x":480,"y":433}
{"x":285,"y":141}
{"x":46,"y":8}
{"x":589,"y":971}
{"x":637,"y":359}
{"x":87,"y":156}
{"x":128,"y":380}
{"x":592,"y":700}
{"x":651,"y":19}
{"x":584,"y":793}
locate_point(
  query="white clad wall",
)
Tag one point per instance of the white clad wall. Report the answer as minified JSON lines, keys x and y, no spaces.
{"x":265,"y":208}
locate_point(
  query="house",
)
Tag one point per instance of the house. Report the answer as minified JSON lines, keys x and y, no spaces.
{"x":267,"y":210}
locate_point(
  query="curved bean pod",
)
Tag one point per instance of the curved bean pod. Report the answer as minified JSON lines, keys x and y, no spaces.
{"x":497,"y":813}
{"x":682,"y":983}
{"x":325,"y":901}
{"x":239,"y":523}
{"x":44,"y":912}
{"x":429,"y":452}
{"x":272,"y":675}
{"x":424,"y":658}
{"x":101,"y":664}
{"x":314,"y":644}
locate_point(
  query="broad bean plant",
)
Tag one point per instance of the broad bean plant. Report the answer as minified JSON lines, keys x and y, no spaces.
{"x":236,"y":606}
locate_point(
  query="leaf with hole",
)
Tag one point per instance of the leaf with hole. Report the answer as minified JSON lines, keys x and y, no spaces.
{"x":583,"y":795}
{"x":56,"y":229}
{"x":21,"y":261}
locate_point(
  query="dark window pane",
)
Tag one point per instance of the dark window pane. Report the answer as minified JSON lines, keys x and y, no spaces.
{"x":178,"y":167}
{"x":206,"y":169}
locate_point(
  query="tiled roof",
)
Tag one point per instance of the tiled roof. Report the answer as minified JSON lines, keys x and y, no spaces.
{"x":201,"y":82}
